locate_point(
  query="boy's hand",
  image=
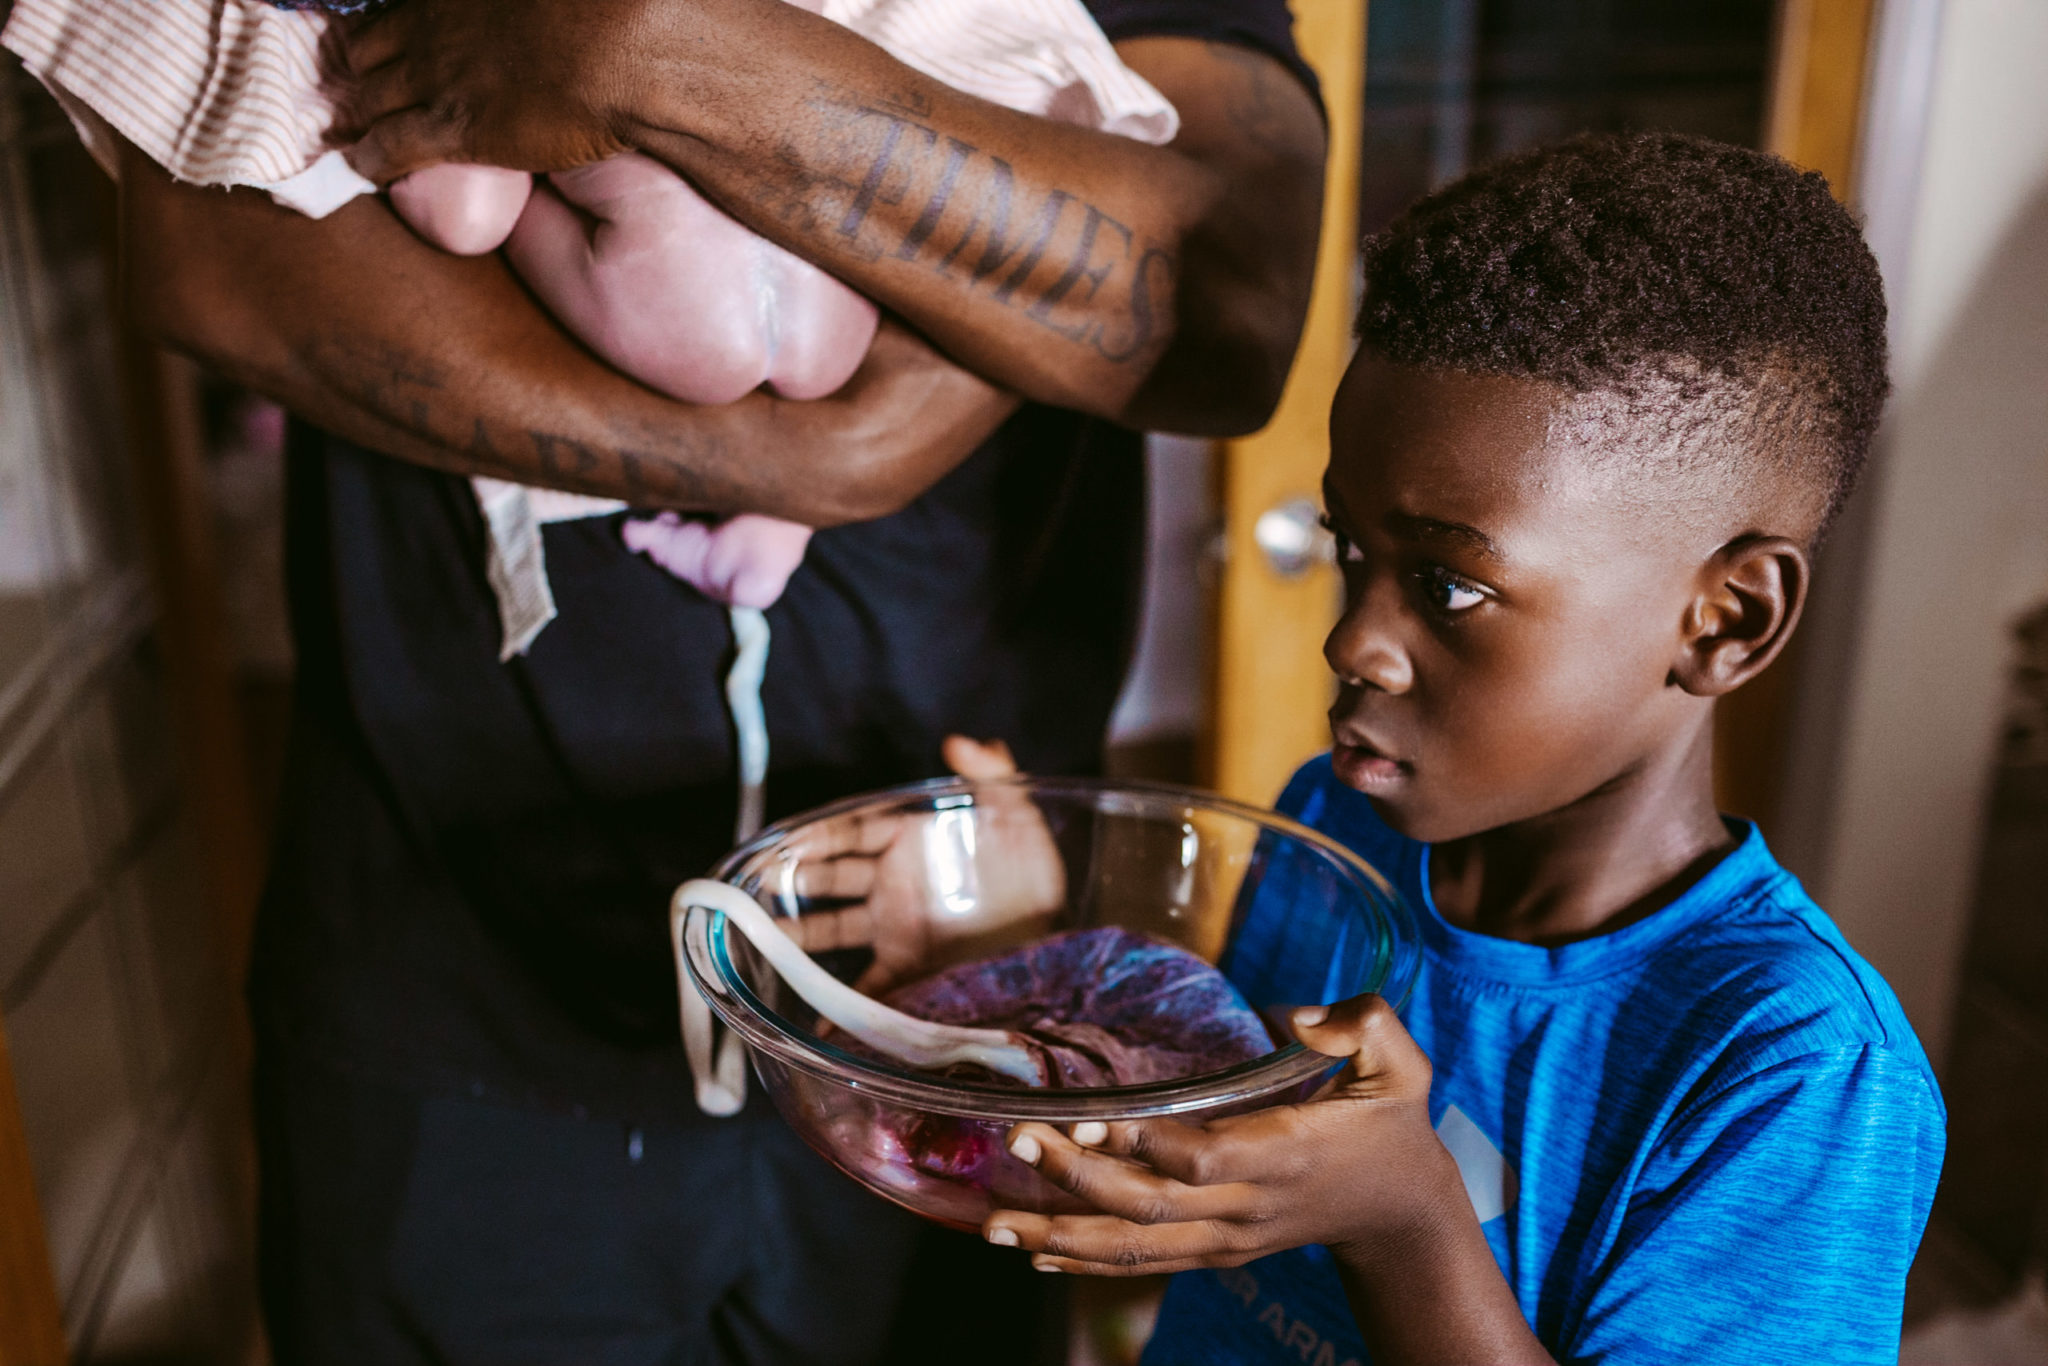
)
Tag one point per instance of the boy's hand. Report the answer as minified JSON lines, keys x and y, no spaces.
{"x":1358,"y":1169}
{"x":885,"y":865}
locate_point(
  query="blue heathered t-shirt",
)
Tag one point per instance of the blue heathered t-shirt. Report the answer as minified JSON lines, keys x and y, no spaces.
{"x":1708,"y":1136}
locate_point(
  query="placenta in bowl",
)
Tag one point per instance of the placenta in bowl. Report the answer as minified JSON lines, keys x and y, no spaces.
{"x":1155,"y":884}
{"x":1103,"y":1007}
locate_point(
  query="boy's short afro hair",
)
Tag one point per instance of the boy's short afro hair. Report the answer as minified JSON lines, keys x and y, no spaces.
{"x":1610,"y":261}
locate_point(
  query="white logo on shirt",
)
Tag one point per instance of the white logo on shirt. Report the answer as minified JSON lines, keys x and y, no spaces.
{"x":1490,"y":1183}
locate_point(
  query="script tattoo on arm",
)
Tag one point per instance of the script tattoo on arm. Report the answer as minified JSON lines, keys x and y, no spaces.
{"x":412,"y":394}
{"x":1063,"y":261}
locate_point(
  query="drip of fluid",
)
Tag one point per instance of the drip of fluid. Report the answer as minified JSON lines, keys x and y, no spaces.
{"x":749,"y":720}
{"x":719,"y":1066}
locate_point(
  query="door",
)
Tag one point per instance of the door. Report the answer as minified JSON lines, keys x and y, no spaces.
{"x":1453,"y":83}
{"x":1277,"y":590}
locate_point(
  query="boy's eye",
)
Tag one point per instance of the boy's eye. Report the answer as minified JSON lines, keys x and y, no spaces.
{"x":1347,"y":552}
{"x":1448,"y":592}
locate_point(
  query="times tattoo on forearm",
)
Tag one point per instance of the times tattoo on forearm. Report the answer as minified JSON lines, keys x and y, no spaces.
{"x":1059,"y":259}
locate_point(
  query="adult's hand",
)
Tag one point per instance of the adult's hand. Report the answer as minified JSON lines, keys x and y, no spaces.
{"x":354,"y":323}
{"x":885,"y":866}
{"x":528,"y":84}
{"x":1158,"y":286}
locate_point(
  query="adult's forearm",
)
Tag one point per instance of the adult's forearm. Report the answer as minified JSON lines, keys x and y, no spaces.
{"x":356,"y":325}
{"x":1158,"y":286}
{"x":1079,"y":267}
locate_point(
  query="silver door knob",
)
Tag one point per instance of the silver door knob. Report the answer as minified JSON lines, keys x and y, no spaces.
{"x":1291,"y":537}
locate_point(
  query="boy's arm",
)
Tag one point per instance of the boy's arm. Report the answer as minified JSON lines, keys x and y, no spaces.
{"x":355,"y":324}
{"x":1156,"y":286}
{"x":1358,"y":1170}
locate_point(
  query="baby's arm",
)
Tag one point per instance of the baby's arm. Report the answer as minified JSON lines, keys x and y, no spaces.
{"x":661,"y":283}
{"x":469,"y":210}
{"x":1358,"y":1170}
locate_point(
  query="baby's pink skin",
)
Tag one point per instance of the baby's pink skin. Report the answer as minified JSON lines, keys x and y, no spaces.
{"x":744,"y":561}
{"x":467,"y":210}
{"x":676,"y":294}
{"x":665,"y":286}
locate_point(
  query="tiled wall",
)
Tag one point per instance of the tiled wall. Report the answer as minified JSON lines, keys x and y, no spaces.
{"x":118,"y":1007}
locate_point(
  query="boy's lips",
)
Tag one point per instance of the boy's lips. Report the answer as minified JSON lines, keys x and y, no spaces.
{"x":1364,"y":765}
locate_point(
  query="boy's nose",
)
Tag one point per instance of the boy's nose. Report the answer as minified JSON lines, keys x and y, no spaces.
{"x":1364,"y":649}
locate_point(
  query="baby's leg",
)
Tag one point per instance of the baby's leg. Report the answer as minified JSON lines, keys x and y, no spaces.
{"x":469,"y":210}
{"x":665,"y":286}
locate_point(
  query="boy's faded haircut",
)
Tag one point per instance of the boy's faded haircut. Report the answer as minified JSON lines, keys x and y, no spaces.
{"x":1720,"y":292}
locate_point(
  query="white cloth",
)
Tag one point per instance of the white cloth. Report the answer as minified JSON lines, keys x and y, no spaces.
{"x":228,"y":92}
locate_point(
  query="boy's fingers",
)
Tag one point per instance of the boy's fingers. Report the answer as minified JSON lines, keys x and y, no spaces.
{"x":1192,"y":1155}
{"x":1366,"y":1030}
{"x":1118,"y":1187}
{"x":1104,"y":1245}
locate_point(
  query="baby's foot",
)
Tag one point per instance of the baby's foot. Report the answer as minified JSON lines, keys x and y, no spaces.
{"x":743,"y":561}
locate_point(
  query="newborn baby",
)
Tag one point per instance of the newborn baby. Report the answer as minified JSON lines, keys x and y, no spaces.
{"x":657,"y":280}
{"x":628,"y":256}
{"x":231,"y":93}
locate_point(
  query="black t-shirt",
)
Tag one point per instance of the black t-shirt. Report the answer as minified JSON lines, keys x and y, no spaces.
{"x":474,"y":858}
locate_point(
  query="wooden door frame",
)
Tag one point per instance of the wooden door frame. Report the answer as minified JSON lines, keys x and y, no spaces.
{"x":31,"y":1317}
{"x":1267,"y":705}
{"x":1819,"y":74}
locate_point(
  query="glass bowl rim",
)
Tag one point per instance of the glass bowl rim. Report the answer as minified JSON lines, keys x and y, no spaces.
{"x":737,"y":1006}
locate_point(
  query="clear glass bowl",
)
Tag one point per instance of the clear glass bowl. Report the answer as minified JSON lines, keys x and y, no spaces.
{"x":960,"y":870}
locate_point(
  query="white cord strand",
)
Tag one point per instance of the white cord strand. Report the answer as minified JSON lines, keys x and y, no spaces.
{"x":921,"y":1043}
{"x":718,"y":1066}
{"x":749,"y":719}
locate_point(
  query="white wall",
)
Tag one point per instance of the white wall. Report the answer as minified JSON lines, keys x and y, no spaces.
{"x":1951,"y":542}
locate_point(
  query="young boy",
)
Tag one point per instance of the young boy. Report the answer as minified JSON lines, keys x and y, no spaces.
{"x":1608,"y":396}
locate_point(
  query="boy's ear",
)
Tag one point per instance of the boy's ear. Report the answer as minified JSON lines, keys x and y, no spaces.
{"x":1750,"y":595}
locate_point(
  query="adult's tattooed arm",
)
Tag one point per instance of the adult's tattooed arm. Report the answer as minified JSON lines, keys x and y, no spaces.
{"x":355,"y":324}
{"x":1161,"y":286}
